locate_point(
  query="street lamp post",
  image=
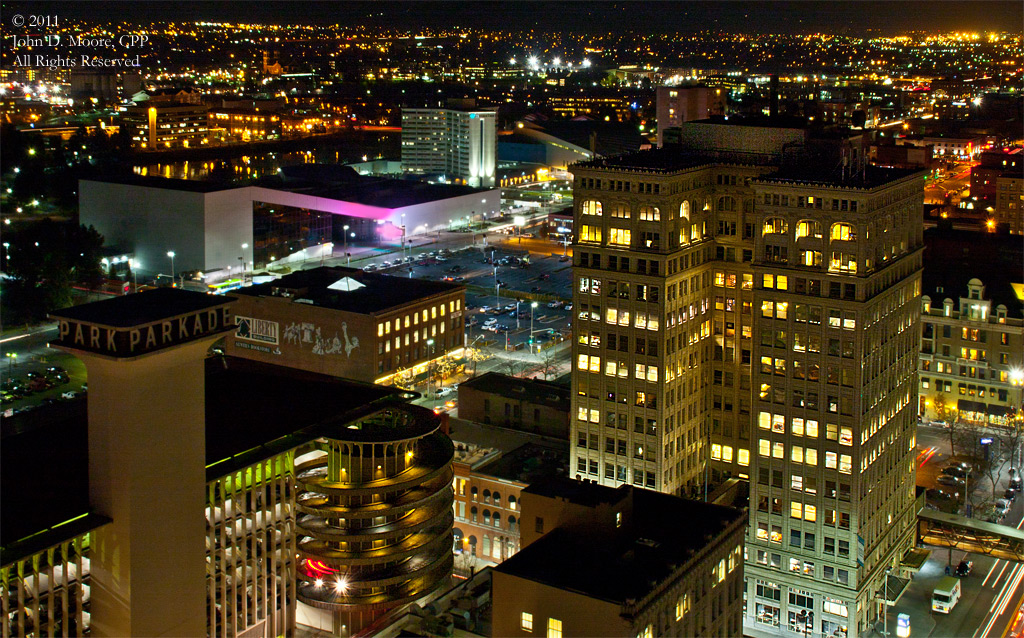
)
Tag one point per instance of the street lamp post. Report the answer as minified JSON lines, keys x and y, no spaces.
{"x":348,"y":258}
{"x":430,"y":372}
{"x":11,"y":358}
{"x":244,"y":247}
{"x":885,"y":603}
{"x":532,"y":306}
{"x":170,"y":253}
{"x":518,"y":301}
{"x":497,"y":295}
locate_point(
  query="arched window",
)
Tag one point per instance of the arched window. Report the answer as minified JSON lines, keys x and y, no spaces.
{"x":472,"y":514}
{"x":684,"y":210}
{"x":486,"y":551}
{"x":487,"y":517}
{"x":843,"y":232}
{"x":497,"y":519}
{"x":496,"y":496}
{"x":591,"y":207}
{"x":650,"y":214}
{"x":511,"y":502}
{"x":472,"y":545}
{"x":808,"y":228}
{"x":473,"y":492}
{"x":726,"y":203}
{"x":774,"y":226}
{"x":487,"y":496}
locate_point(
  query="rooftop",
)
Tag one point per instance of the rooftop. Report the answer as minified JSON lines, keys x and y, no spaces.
{"x":248,"y":405}
{"x":531,"y":390}
{"x":954,"y":257}
{"x":143,"y":308}
{"x":870,"y":177}
{"x":152,"y":181}
{"x":529,"y":463}
{"x":378,"y":292}
{"x":663,"y":533}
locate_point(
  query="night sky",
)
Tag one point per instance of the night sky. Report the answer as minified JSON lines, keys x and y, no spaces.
{"x":853,"y":18}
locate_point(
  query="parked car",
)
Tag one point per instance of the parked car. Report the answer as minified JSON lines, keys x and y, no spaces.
{"x":444,"y":391}
{"x":952,"y":481}
{"x":1003,"y":504}
{"x":964,"y":568}
{"x":955,"y":470}
{"x":70,"y":394}
{"x":1010,"y":494}
{"x":942,"y":495}
{"x":1015,"y":483}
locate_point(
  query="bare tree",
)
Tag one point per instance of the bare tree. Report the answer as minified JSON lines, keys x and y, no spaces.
{"x":982,"y":445}
{"x":1011,"y":437}
{"x":948,"y":414}
{"x":514,"y":367}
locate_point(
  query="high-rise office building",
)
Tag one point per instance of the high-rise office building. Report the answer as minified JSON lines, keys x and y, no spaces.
{"x":460,"y":145}
{"x":677,"y":104}
{"x":749,"y":309}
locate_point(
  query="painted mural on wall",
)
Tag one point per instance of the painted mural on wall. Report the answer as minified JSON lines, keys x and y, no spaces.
{"x":303,"y":333}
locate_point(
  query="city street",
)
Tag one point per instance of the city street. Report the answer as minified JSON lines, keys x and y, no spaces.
{"x":992,"y":593}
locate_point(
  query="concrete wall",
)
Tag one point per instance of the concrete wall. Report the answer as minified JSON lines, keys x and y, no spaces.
{"x":551,"y":421}
{"x":580,"y":615}
{"x":149,"y":220}
{"x":437,"y":215}
{"x":702,"y":136}
{"x":305,"y":338}
{"x":228,"y":225}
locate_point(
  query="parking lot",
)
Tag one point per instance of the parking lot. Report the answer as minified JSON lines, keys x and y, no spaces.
{"x":31,"y":384}
{"x":503,"y":282}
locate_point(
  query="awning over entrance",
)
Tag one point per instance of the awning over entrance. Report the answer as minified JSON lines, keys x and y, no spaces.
{"x":963,"y":405}
{"x":998,"y":410}
{"x":894,"y":588}
{"x":915,"y":559}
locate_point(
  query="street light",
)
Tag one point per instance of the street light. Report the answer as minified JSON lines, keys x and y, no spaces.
{"x":11,"y":357}
{"x":497,"y":295}
{"x":518,"y":301}
{"x":885,"y":602}
{"x":170,"y":253}
{"x":348,"y":259}
{"x":244,"y":247}
{"x":532,"y":306}
{"x":430,"y":369}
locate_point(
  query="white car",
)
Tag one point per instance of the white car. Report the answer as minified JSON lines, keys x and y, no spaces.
{"x":443,"y":392}
{"x":485,"y":308}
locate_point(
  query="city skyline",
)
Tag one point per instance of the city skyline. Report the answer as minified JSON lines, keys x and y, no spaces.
{"x":512,"y":320}
{"x":853,"y":18}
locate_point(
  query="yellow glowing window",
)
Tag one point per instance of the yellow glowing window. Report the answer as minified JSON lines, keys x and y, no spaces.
{"x":619,"y":236}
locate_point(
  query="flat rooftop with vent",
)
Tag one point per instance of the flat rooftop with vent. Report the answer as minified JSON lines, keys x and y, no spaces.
{"x":599,"y":560}
{"x":346,"y":323}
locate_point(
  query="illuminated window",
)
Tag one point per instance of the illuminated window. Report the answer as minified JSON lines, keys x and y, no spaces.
{"x":843,"y":232}
{"x":554,"y":628}
{"x":590,"y":234}
{"x":743,"y":457}
{"x":650,"y":214}
{"x":526,"y":621}
{"x":774,"y":226}
{"x":591,"y":207}
{"x":683,"y":604}
{"x":619,"y":236}
{"x":808,"y":228}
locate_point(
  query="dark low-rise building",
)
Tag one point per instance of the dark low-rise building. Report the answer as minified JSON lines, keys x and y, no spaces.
{"x":603,"y":561}
{"x":524,"y":404}
{"x":348,"y":323}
